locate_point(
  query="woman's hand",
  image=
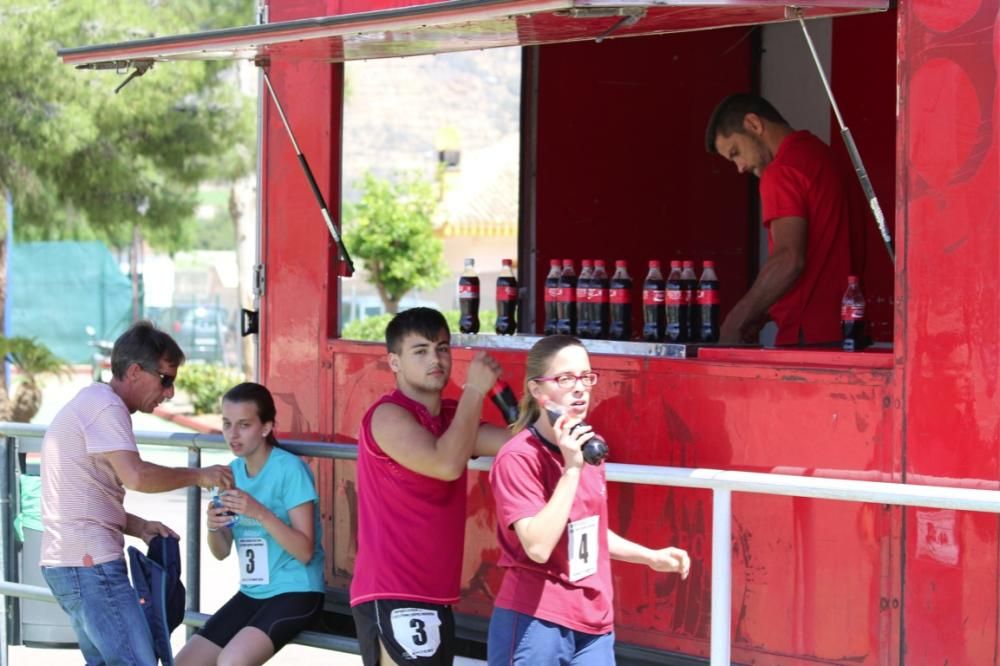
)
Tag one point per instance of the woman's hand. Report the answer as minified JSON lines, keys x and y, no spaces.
{"x":243,"y":503}
{"x":571,"y":436}
{"x":671,"y":560}
{"x":216,"y":517}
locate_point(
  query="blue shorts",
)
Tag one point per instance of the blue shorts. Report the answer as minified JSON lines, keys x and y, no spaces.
{"x":105,"y":613}
{"x":516,"y":639}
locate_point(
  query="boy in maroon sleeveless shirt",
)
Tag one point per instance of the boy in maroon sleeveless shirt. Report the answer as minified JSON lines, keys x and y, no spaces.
{"x":413,"y":449}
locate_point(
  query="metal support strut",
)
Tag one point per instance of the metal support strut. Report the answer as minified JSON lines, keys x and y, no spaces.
{"x":323,"y":209}
{"x":852,"y":148}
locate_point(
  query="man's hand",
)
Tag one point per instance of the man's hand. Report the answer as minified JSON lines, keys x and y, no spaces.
{"x":220,"y":476}
{"x":671,"y":559}
{"x":154,"y":528}
{"x":484,"y":371}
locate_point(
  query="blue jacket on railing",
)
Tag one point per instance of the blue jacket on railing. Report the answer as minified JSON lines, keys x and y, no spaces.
{"x":156,"y":577}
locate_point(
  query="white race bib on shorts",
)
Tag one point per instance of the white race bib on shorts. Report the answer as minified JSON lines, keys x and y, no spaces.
{"x":417,"y":630}
{"x":252,"y":552}
{"x":583,"y":547}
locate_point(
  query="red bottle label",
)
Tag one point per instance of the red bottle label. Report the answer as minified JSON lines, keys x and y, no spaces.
{"x":581,"y":294}
{"x":597,"y":295}
{"x":552,"y":294}
{"x":619,"y":296}
{"x":852,"y":312}
{"x":566,"y":295}
{"x":505,"y":293}
{"x":653,"y":297}
{"x":468,"y":291}
{"x":675,"y":296}
{"x":688,"y":296}
{"x":708,"y":297}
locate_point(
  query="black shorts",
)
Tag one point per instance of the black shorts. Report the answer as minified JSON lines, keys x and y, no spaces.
{"x":411,"y":631}
{"x":281,"y":617}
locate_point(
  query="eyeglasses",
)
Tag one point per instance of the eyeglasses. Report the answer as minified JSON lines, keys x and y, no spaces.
{"x":569,"y":380}
{"x":166,"y":381}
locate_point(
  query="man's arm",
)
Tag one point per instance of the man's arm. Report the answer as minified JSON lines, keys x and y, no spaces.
{"x":489,"y":439}
{"x":776,"y":277}
{"x":445,"y":457}
{"x":146,"y":529}
{"x":137,"y":474}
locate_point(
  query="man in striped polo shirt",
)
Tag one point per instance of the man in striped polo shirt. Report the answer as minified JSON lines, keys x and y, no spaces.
{"x":89,"y":457}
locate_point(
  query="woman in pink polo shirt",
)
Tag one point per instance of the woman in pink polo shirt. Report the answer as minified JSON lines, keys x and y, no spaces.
{"x":555,"y":602}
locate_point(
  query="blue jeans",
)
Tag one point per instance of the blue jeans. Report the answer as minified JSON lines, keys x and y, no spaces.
{"x":105,"y":612}
{"x":516,"y":639}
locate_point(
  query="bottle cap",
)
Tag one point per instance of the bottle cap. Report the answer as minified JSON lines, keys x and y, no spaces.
{"x":708,"y":263}
{"x":586,"y":262}
{"x":599,"y":262}
{"x":852,"y":279}
{"x":469,"y":261}
{"x":675,"y":263}
{"x":688,"y":263}
{"x":554,"y":263}
{"x":567,"y":262}
{"x":654,"y":263}
{"x":619,"y":263}
{"x":506,"y":262}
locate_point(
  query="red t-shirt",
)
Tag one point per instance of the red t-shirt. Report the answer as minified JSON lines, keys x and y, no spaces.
{"x":804,"y":181}
{"x":523,"y":477}
{"x":411,"y":527}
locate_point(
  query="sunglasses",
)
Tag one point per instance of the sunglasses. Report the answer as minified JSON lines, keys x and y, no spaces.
{"x":166,"y":381}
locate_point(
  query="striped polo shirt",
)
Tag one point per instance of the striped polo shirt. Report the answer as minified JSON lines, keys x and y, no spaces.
{"x":82,"y":498}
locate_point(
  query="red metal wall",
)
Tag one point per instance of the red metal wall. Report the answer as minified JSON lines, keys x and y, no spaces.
{"x":948,"y":318}
{"x":622,"y":171}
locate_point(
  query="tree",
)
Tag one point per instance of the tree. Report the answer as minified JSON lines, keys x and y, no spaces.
{"x":391,"y":231}
{"x":81,"y":162}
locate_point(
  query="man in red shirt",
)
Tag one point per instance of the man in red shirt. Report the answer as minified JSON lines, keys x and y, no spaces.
{"x":804,"y":208}
{"x":413,"y":450}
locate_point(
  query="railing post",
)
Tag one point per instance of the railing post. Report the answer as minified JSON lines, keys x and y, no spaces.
{"x":722,"y":576}
{"x":193,"y":540}
{"x":7,"y":462}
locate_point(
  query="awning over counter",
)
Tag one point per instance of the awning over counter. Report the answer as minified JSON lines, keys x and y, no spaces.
{"x":455,"y":25}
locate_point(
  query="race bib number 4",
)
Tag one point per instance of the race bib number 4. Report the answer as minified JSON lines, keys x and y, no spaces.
{"x":252,"y":552}
{"x":583,"y":548}
{"x":417,"y":630}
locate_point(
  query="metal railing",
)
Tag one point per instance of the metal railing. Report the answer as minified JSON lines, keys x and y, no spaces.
{"x":721,"y":483}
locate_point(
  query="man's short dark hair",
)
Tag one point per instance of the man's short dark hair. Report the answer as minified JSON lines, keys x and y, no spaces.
{"x":146,"y":345}
{"x":426,"y":322}
{"x":728,"y":116}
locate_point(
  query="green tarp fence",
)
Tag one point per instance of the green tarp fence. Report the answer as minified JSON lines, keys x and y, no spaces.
{"x":57,"y":289}
{"x":29,"y":514}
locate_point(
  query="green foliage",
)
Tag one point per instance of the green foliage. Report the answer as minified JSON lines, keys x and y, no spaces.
{"x":32,"y":358}
{"x":204,"y":384}
{"x":390,"y":229}
{"x":373,"y":328}
{"x":83,"y":162}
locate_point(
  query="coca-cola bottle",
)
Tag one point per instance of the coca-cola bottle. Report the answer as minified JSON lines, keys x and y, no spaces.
{"x":583,"y":299}
{"x":620,"y":301}
{"x":676,"y":312}
{"x":566,"y":305}
{"x":597,"y":298}
{"x":708,"y":303}
{"x":506,"y":299}
{"x":689,"y":286}
{"x":551,"y":297}
{"x":852,"y":316}
{"x":653,"y":299}
{"x":468,"y":298}
{"x":503,"y":397}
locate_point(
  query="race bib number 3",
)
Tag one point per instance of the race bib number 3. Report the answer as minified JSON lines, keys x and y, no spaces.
{"x":583,"y":548}
{"x":252,"y":552}
{"x":417,"y":630}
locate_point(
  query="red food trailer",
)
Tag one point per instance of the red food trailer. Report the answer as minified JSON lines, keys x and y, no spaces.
{"x":615,"y":98}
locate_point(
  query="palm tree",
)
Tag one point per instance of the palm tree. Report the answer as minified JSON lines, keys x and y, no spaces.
{"x":33,"y":360}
